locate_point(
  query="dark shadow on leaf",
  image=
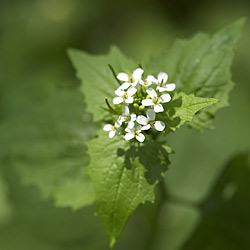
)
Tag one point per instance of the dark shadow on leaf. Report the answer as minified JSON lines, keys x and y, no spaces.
{"x":169,"y":116}
{"x":151,"y":155}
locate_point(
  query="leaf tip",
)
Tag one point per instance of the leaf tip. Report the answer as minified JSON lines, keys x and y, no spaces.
{"x":112,"y":242}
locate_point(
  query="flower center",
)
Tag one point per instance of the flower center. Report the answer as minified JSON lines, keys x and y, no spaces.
{"x":156,"y":100}
{"x":125,"y":95}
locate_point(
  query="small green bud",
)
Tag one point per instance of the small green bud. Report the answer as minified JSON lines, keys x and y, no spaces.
{"x":136,"y":99}
{"x":147,"y":97}
{"x":136,"y":105}
{"x":141,"y":108}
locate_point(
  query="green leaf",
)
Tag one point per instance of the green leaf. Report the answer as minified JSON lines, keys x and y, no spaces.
{"x":98,"y":80}
{"x":182,"y":109}
{"x":45,"y":143}
{"x":124,"y":175}
{"x":220,"y":221}
{"x":201,"y":66}
{"x":5,"y":211}
{"x":225,"y":212}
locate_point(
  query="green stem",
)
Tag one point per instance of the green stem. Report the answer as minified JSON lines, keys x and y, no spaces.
{"x":114,"y":74}
{"x":109,"y":106}
{"x":153,"y":232}
{"x":139,"y":64}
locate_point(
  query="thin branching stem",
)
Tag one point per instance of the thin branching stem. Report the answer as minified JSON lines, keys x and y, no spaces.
{"x":114,"y":74}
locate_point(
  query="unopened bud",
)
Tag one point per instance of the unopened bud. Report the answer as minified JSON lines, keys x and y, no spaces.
{"x":135,"y":105}
{"x":141,"y":108}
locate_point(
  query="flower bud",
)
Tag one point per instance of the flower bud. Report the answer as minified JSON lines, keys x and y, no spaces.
{"x":141,"y":108}
{"x":135,"y":105}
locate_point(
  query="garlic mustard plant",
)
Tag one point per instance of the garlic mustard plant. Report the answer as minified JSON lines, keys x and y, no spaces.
{"x":131,"y":118}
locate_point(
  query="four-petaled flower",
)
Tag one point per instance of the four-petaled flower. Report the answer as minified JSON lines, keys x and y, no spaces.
{"x":112,"y":129}
{"x":148,"y":81}
{"x":128,"y":118}
{"x":130,"y":80}
{"x":124,"y":96}
{"x":134,"y":133}
{"x":155,"y":100}
{"x":161,"y":83}
{"x":148,"y":121}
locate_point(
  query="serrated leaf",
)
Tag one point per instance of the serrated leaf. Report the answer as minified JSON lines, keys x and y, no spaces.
{"x":182,"y":109}
{"x":201,"y":66}
{"x":124,"y":175}
{"x":98,"y":80}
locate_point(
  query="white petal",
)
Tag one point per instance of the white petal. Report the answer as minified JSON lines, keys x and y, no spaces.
{"x":131,"y":125}
{"x":137,"y":73}
{"x":112,"y":134}
{"x":138,"y":128}
{"x":140,"y":137}
{"x":125,"y":85}
{"x":131,"y":91}
{"x":165,"y":98}
{"x":134,"y":83}
{"x":141,"y":119}
{"x":128,"y":130}
{"x":119,"y":92}
{"x":133,"y":117}
{"x":147,"y":127}
{"x":123,"y":77}
{"x":142,"y":82}
{"x":151,"y":79}
{"x":159,"y":125}
{"x":161,"y":89}
{"x":125,"y":110}
{"x":129,"y":100}
{"x":107,"y":127}
{"x":170,"y":86}
{"x":158,"y":108}
{"x":121,"y":119}
{"x":151,"y":93}
{"x":117,"y":100}
{"x":151,"y":114}
{"x":129,"y":136}
{"x":147,"y":102}
{"x":162,"y":76}
{"x":118,"y":123}
{"x":146,"y":83}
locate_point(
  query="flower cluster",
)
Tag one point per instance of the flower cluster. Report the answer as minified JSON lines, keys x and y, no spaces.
{"x":138,"y":101}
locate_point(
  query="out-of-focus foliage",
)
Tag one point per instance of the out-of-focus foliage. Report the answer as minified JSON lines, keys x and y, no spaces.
{"x":34,"y":36}
{"x":223,"y":215}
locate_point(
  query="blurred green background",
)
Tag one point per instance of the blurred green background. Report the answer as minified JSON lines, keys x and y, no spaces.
{"x":43,"y":127}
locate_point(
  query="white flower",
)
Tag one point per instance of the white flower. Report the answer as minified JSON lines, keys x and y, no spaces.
{"x":161,"y":83}
{"x":147,"y":121}
{"x":112,"y":129}
{"x":130,"y":80}
{"x":134,"y":133}
{"x":130,"y":119}
{"x":148,"y":81}
{"x":155,"y":100}
{"x":124,"y":96}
